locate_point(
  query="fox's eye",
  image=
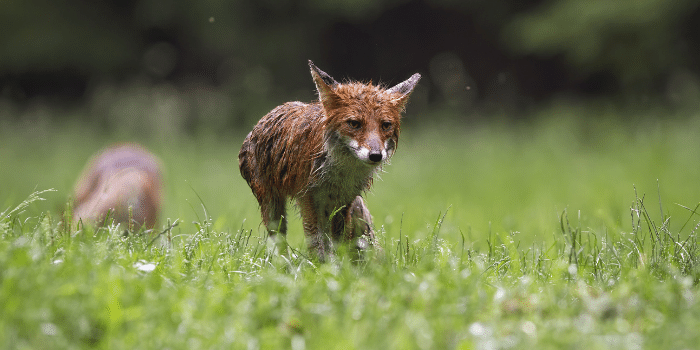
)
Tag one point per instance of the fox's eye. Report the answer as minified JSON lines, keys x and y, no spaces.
{"x":386,"y":126}
{"x":355,"y":124}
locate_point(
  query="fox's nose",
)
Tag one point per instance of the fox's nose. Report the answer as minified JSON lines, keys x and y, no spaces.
{"x":375,"y":157}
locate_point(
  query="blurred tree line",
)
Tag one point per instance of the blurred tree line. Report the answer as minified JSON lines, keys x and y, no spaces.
{"x":224,"y":63}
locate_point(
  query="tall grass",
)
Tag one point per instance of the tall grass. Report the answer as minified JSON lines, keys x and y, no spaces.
{"x":553,"y":234}
{"x":100,"y":287}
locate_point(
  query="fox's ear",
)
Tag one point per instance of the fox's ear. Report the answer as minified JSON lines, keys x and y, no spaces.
{"x":324,"y":84}
{"x":404,"y":89}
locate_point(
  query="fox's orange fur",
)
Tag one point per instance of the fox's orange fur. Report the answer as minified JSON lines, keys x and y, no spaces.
{"x":324,"y":154}
{"x":118,"y":178}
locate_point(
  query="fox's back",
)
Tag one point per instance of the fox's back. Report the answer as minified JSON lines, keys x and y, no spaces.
{"x":111,"y":161}
{"x":119,"y":177}
{"x":277,"y":157}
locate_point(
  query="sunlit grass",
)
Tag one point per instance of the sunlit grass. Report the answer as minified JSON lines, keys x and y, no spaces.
{"x":549,"y":234}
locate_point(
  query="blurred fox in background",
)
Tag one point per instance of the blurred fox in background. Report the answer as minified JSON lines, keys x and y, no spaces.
{"x":123,"y":181}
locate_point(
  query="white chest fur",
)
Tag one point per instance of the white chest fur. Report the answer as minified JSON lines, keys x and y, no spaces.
{"x":342,"y":177}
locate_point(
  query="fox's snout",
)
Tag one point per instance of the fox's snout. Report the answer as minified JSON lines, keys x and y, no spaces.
{"x":376,"y":150}
{"x":372,"y":151}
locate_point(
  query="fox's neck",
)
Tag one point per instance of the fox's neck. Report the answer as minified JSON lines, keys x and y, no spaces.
{"x":341,"y":173}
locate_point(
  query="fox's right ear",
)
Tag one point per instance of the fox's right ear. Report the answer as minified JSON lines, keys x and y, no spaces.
{"x":404,"y":89}
{"x":324,"y":84}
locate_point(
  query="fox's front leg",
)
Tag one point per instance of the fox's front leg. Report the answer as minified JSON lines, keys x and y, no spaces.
{"x":316,"y":227}
{"x":353,"y":226}
{"x":359,"y":228}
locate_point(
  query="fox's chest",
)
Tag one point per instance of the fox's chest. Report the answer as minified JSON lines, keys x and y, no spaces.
{"x":342,"y":178}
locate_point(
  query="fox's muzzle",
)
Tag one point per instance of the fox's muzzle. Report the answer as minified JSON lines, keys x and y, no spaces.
{"x":376,"y":149}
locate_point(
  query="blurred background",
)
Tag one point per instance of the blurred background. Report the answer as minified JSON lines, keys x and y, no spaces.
{"x":548,"y":103}
{"x":162,"y":66}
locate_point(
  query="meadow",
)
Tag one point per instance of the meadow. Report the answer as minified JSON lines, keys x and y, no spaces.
{"x":576,"y":229}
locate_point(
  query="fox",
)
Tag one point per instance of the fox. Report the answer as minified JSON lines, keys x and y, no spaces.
{"x":324,"y":155}
{"x":123,"y":181}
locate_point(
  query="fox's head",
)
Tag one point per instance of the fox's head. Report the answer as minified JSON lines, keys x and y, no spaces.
{"x":364,"y":118}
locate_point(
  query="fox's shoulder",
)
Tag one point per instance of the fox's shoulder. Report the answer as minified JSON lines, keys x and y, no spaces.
{"x":295,"y":110}
{"x":300,"y":107}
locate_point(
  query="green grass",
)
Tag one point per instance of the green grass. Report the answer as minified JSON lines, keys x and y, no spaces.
{"x":553,"y":234}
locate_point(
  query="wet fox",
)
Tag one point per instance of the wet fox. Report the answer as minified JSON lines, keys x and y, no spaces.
{"x":120,"y":177}
{"x":324,"y":154}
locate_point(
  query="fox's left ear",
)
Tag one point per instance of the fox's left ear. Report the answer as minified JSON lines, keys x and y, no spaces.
{"x":404,"y":89}
{"x":324,"y":84}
